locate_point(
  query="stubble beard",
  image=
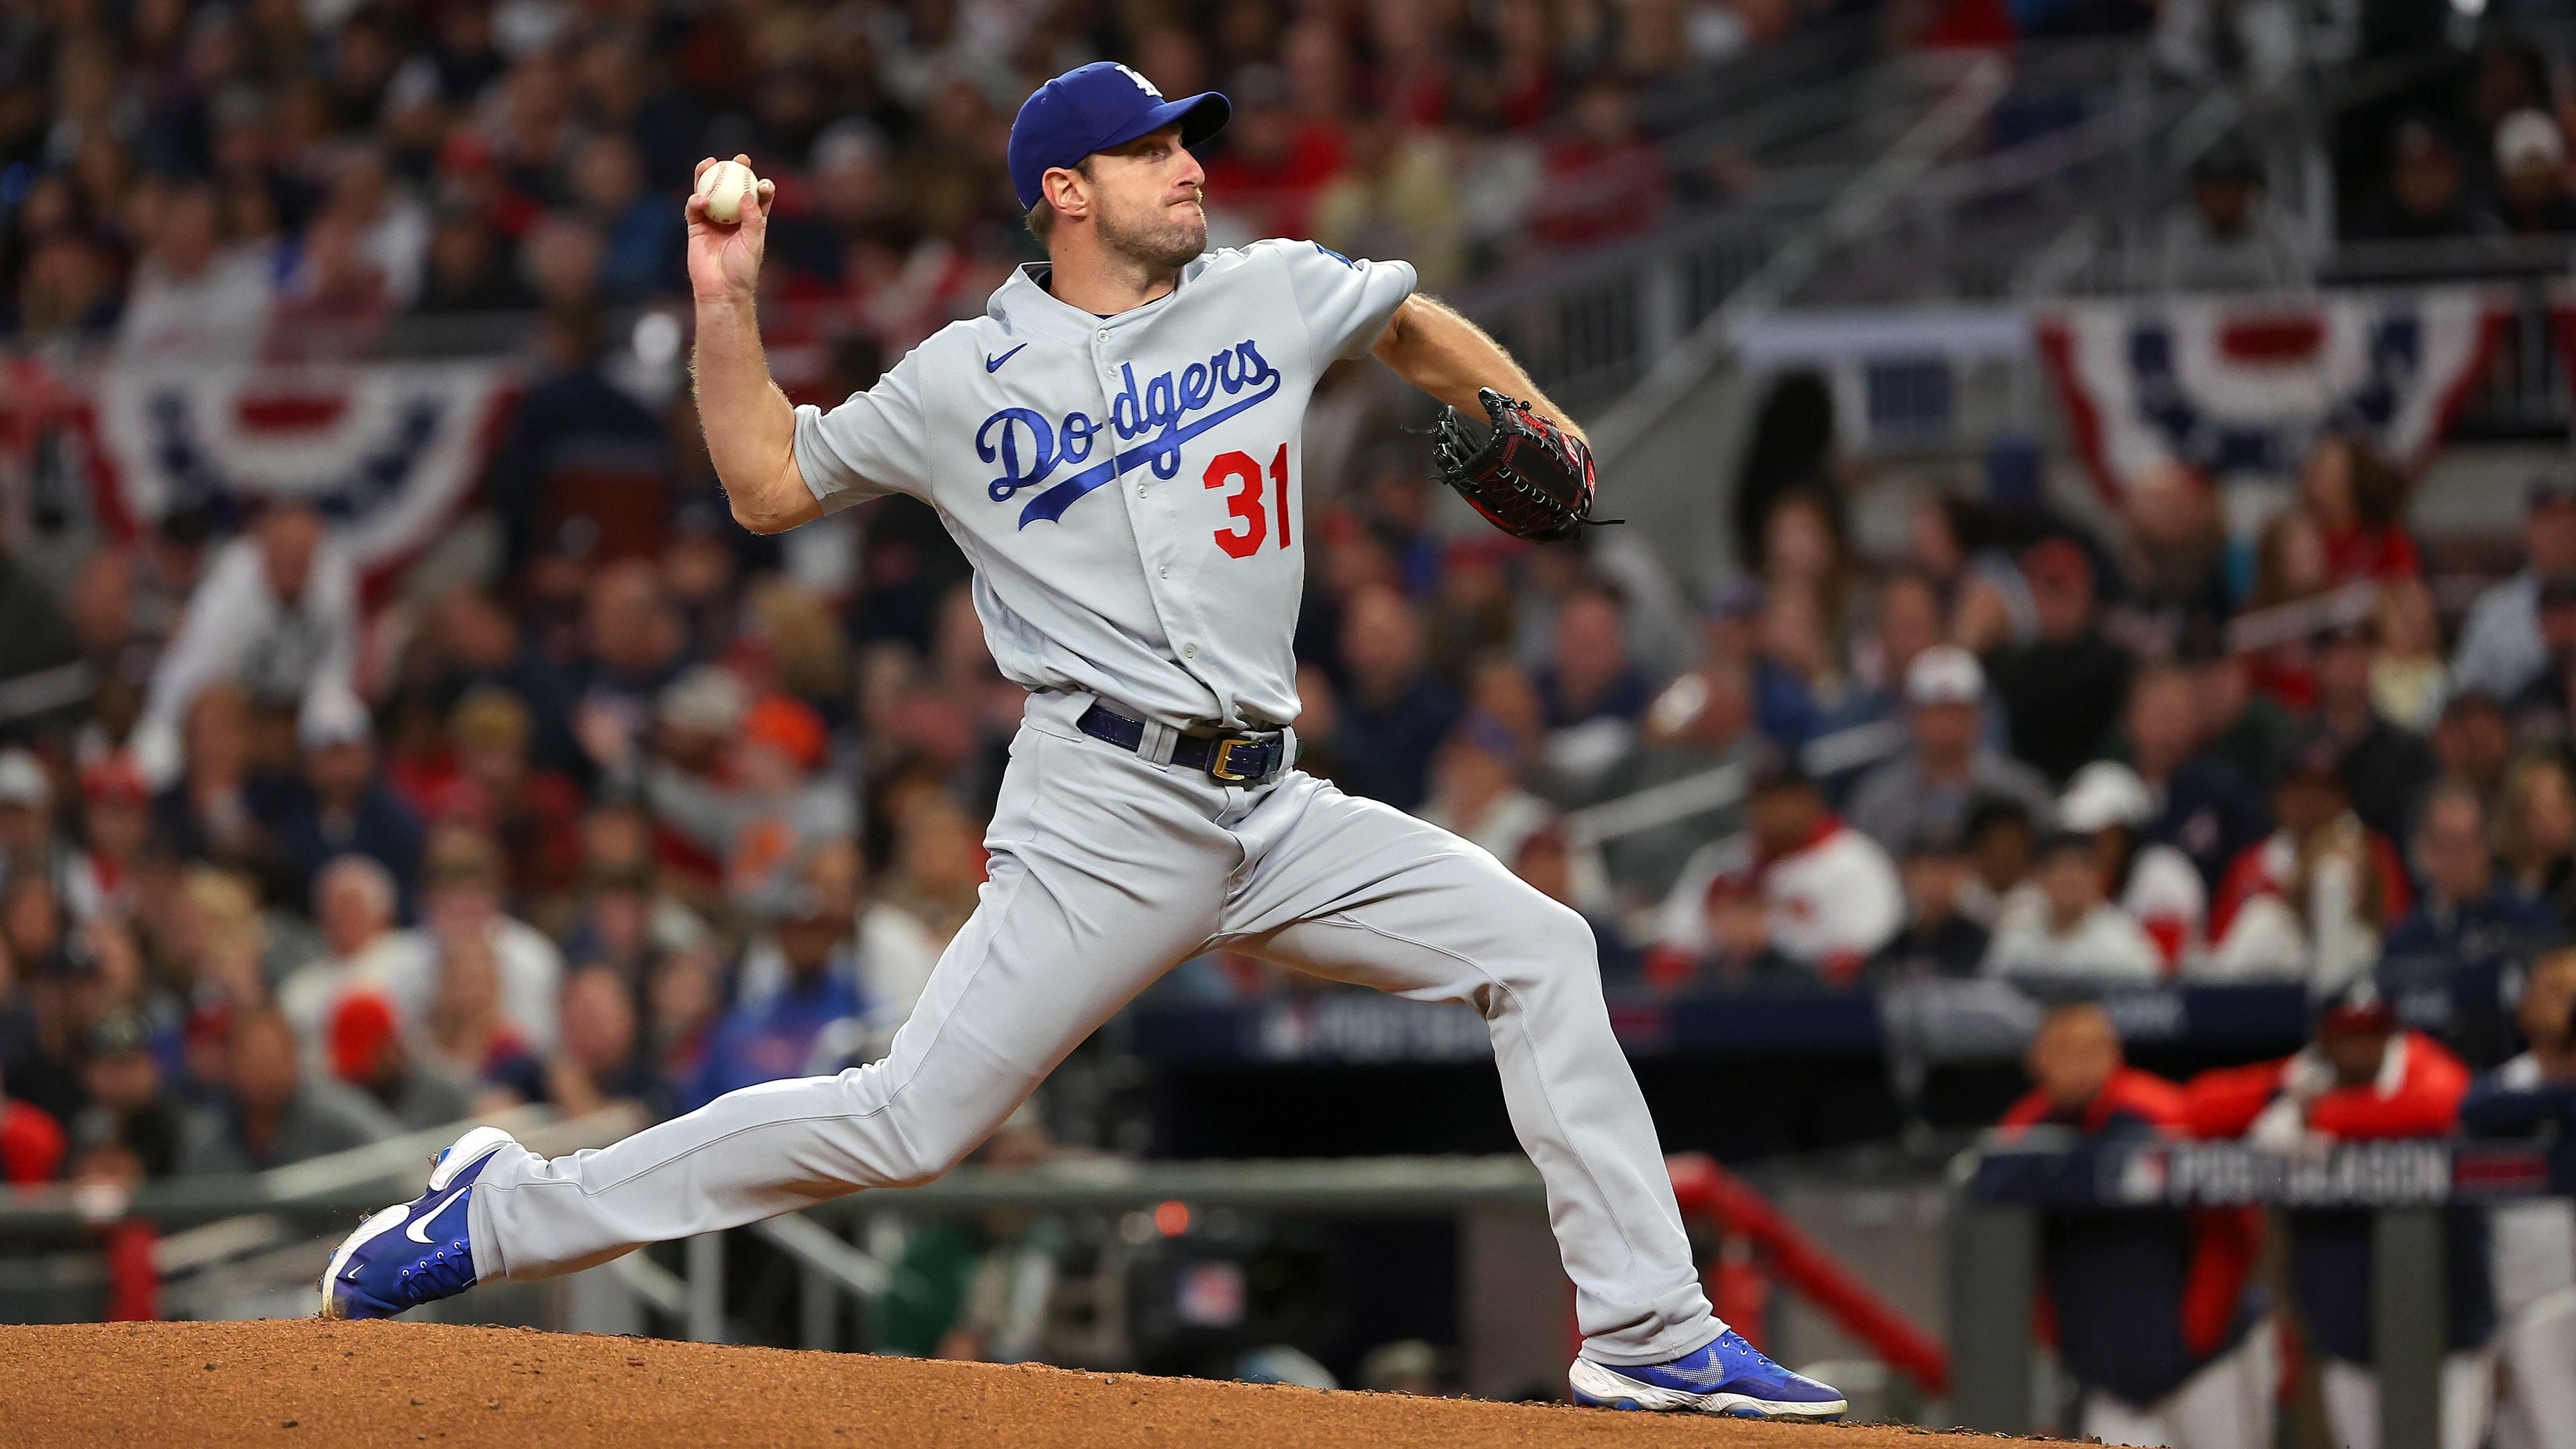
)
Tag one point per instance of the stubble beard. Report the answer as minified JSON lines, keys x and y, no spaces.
{"x":1162,"y":239}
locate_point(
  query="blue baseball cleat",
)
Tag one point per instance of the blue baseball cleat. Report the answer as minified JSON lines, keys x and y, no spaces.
{"x":415,"y":1252}
{"x":1728,"y":1377}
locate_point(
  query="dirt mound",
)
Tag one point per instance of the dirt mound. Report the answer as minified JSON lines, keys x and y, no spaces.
{"x":307,"y":1382}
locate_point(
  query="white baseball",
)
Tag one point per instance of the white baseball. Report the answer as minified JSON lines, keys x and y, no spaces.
{"x":729,"y":187}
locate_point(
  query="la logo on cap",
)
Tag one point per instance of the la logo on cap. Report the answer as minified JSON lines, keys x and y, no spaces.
{"x":1142,"y":84}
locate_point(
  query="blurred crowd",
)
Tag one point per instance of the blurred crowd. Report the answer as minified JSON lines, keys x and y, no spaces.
{"x":655,"y":817}
{"x":288,"y":176}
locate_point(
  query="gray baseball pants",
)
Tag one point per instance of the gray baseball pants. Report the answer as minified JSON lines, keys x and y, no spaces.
{"x":1106,"y":870}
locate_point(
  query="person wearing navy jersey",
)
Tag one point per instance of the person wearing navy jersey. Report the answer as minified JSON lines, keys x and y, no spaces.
{"x":2152,"y":1312}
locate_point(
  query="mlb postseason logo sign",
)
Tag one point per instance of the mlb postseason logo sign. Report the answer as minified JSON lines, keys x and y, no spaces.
{"x":2360,"y":1174}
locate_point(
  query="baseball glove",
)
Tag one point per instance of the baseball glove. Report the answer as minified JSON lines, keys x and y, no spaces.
{"x":1529,"y":477}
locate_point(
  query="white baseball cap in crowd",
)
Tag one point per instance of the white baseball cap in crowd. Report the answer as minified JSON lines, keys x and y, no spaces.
{"x":1944,"y":674}
{"x":2103,"y":794}
{"x":333,"y":716}
{"x":22,"y":780}
{"x":2529,"y":139}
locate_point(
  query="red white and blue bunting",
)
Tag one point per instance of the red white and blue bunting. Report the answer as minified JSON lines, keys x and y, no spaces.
{"x":2241,"y":386}
{"x":389,"y":452}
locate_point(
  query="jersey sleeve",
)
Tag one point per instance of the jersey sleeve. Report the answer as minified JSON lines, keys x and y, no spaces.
{"x":1344,"y":300}
{"x":870,"y":445}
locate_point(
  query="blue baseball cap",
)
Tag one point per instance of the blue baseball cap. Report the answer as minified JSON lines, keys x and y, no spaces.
{"x":1092,"y":108}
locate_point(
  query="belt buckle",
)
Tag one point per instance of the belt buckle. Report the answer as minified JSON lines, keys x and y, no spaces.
{"x":1220,"y":766}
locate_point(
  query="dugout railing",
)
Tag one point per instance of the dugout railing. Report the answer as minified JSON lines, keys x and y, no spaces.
{"x":2002,"y":1191}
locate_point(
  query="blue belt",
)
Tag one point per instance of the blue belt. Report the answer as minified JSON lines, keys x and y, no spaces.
{"x":1233,"y":757}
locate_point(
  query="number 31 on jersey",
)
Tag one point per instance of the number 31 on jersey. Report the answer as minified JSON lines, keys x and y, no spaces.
{"x":1251,"y":526}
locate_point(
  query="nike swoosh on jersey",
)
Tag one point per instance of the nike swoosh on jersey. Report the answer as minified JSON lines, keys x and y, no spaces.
{"x":994,"y":364}
{"x":1051,"y":504}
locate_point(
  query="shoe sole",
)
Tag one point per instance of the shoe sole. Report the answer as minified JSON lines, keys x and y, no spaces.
{"x":1600,"y":1387}
{"x":480,"y":1143}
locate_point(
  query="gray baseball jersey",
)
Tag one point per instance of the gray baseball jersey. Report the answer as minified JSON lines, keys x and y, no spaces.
{"x":1126,"y":487}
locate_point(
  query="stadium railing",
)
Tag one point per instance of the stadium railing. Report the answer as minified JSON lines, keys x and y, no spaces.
{"x":281,"y":1222}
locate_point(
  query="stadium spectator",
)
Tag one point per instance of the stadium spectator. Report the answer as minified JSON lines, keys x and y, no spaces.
{"x":32,"y":1144}
{"x":2409,"y":682}
{"x":466,"y":1033}
{"x":2384,"y":766}
{"x":271,"y":1111}
{"x":2203,"y":807}
{"x":1590,"y":692}
{"x":2468,"y":930}
{"x":2155,"y":1315}
{"x":1703,"y":721}
{"x":127,"y":1105}
{"x":584,"y":471}
{"x":1394,"y":196}
{"x":354,"y":904}
{"x":2534,"y":1247}
{"x":2153,"y":882}
{"x":2536,"y":835}
{"x":2531,"y":180}
{"x":2310,"y":900}
{"x":343,"y":807}
{"x":2547,"y":703}
{"x":461,"y":914}
{"x":2001,"y":843}
{"x":1392,"y":712}
{"x":2246,"y":729}
{"x":2229,"y":237}
{"x":1803,"y":688}
{"x":601,"y":1061}
{"x":1831,"y":897}
{"x":276,"y":615}
{"x":2067,"y":929}
{"x":1939,"y":939}
{"x":2500,"y":648}
{"x":1927,"y":788}
{"x":2175,"y":564}
{"x":366,"y":1051}
{"x":2428,"y":195}
{"x":777,"y":810}
{"x":1476,"y":793}
{"x":192,"y":299}
{"x":2062,"y":691}
{"x":2473,"y":743}
{"x":774,"y":1033}
{"x":28,"y":847}
{"x":2357,"y":500}
{"x":2362,"y":1078}
{"x":116,"y":828}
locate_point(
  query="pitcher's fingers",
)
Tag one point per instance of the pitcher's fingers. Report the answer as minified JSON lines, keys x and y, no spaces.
{"x":701,"y":168}
{"x":768,"y":197}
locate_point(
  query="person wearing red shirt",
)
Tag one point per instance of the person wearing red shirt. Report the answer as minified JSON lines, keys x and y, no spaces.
{"x":2357,"y":500}
{"x":2360,"y":1079}
{"x":2150,"y":1311}
{"x":1605,"y":179}
{"x":31,"y":1143}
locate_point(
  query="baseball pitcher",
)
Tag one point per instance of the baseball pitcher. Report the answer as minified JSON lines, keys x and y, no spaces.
{"x":1115,"y":446}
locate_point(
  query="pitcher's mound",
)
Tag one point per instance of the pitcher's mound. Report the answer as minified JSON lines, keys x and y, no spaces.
{"x":308,"y":1382}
